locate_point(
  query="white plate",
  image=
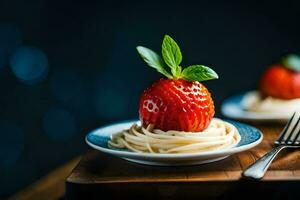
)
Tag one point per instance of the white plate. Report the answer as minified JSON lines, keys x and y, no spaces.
{"x":233,"y":108}
{"x":97,"y":139}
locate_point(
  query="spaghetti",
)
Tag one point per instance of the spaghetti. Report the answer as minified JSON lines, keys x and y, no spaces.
{"x":219,"y":135}
{"x":254,"y":101}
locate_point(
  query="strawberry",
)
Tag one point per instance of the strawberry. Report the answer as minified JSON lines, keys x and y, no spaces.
{"x":179,"y":102}
{"x":282,"y":80}
{"x":177,"y":105}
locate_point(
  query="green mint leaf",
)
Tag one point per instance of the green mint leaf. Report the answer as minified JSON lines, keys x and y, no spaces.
{"x":199,"y":73}
{"x":172,"y":55}
{"x":292,"y":62}
{"x":153,"y":60}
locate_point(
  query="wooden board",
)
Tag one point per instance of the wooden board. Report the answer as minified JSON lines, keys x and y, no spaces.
{"x":49,"y":187}
{"x":101,"y":171}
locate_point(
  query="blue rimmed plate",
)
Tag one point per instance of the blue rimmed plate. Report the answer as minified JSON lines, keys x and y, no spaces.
{"x":233,"y":108}
{"x":97,"y":139}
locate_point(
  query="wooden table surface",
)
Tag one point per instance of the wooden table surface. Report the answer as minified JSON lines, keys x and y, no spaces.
{"x":97,"y":172}
{"x":100,"y":172}
{"x":49,"y":187}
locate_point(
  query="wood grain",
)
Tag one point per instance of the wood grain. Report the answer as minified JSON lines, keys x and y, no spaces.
{"x":49,"y":187}
{"x":100,"y":172}
{"x":96,"y":167}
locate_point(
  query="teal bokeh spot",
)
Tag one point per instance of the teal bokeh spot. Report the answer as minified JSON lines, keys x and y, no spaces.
{"x":29,"y":64}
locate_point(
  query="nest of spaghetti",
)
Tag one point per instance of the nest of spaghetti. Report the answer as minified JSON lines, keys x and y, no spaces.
{"x":219,"y":135}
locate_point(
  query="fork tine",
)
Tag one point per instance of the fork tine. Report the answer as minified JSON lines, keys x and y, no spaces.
{"x":286,"y":128}
{"x":296,"y":139}
{"x":296,"y":126}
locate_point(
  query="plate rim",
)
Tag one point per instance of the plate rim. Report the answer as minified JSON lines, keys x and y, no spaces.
{"x":248,"y":115}
{"x":119,"y":153}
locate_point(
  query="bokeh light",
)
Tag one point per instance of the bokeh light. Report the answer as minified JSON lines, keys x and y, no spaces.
{"x":29,"y":64}
{"x":10,"y":39}
{"x":59,"y":124}
{"x":11,"y":143}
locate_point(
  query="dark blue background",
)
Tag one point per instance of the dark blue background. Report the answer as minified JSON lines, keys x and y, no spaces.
{"x":94,"y":75}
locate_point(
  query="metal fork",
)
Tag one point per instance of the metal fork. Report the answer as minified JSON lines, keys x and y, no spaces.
{"x":289,"y":138}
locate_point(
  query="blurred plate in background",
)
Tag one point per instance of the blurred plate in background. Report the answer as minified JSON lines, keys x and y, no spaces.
{"x":234,"y":108}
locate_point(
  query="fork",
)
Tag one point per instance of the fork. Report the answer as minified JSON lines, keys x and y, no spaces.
{"x":289,"y":138}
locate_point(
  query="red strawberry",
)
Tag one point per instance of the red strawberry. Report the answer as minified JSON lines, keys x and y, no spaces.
{"x":280,"y":82}
{"x":177,"y":105}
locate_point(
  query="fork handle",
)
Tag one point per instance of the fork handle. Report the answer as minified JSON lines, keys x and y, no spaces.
{"x":258,"y":169}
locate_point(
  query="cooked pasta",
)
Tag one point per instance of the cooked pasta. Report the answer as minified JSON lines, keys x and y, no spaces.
{"x":254,"y":101}
{"x":219,"y":135}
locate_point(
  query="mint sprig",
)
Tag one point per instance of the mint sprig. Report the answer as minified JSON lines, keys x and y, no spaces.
{"x":170,"y":64}
{"x":153,"y":60}
{"x":199,"y":73}
{"x":172,"y":55}
{"x":292,"y":62}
